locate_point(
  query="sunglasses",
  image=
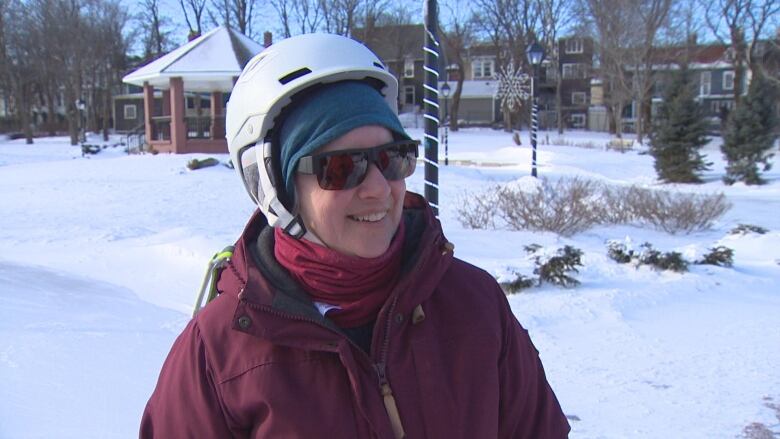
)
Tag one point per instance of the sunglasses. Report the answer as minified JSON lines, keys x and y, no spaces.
{"x":345,"y":169}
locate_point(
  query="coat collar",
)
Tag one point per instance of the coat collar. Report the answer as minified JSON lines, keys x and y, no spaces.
{"x":260,"y":282}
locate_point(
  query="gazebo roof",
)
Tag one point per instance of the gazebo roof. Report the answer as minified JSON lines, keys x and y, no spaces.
{"x":207,"y":63}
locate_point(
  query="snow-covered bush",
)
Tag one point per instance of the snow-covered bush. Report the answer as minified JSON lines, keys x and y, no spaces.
{"x":675,"y":212}
{"x":721,"y":256}
{"x":744,"y":229}
{"x":556,"y":269}
{"x":565,"y":207}
{"x":572,"y":205}
{"x":622,"y":253}
{"x":551,"y":267}
{"x":519,"y":283}
{"x":661,"y":261}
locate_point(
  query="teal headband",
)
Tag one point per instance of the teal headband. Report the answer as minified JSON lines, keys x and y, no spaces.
{"x":327,"y":114}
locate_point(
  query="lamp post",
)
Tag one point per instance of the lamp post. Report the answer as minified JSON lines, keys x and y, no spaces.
{"x":445,"y":90}
{"x":82,"y":105}
{"x":535,"y":53}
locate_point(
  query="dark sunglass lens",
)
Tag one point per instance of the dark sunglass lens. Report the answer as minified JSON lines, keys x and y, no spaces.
{"x":397,"y":161}
{"x":342,"y":171}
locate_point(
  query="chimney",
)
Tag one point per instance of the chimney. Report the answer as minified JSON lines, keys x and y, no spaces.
{"x":692,"y":39}
{"x":267,"y":39}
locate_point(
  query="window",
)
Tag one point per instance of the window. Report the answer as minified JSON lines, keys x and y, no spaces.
{"x":409,"y":95}
{"x":482,"y":68}
{"x":577,"y":120}
{"x":579,"y":98}
{"x":574,"y":71}
{"x":130,"y":111}
{"x":574,"y":45}
{"x":706,"y":83}
{"x":549,"y":72}
{"x":408,"y":68}
{"x":728,"y":80}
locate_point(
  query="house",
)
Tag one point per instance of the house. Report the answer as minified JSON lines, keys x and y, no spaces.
{"x":576,"y":71}
{"x":400,"y":47}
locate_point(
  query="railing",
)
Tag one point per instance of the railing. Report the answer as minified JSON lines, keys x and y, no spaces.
{"x":198,"y":127}
{"x":135,"y":140}
{"x":161,"y":128}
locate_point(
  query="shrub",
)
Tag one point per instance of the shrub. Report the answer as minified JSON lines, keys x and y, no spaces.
{"x":619,"y":252}
{"x":744,"y":229}
{"x":572,"y":205}
{"x":566,"y":207}
{"x":675,"y":212}
{"x":721,"y":256}
{"x":521,"y":282}
{"x":554,"y":270}
{"x":662,"y":261}
{"x":478,"y":212}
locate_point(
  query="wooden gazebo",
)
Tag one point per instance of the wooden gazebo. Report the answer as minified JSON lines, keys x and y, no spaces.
{"x":208,"y":64}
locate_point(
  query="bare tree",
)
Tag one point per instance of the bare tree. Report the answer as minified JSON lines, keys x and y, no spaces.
{"x":237,"y":14}
{"x":339,"y":16}
{"x":511,"y":25}
{"x":196,"y":9}
{"x":556,"y":17}
{"x":243,"y":11}
{"x":154,"y":25}
{"x":740,"y":24}
{"x":18,"y":69}
{"x":283,"y":10}
{"x":625,"y":32}
{"x":458,"y":36}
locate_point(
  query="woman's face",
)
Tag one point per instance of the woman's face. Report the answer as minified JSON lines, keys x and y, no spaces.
{"x":360,"y":221}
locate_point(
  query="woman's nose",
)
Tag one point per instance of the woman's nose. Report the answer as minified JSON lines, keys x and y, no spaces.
{"x":375,"y":185}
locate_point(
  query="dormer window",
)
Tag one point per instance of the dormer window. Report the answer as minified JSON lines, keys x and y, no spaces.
{"x":482,"y":68}
{"x":574,"y":45}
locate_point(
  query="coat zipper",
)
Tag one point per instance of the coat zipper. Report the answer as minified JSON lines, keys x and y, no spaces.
{"x":384,"y":386}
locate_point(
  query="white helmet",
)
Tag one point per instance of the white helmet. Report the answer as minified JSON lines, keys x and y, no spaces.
{"x":267,"y":85}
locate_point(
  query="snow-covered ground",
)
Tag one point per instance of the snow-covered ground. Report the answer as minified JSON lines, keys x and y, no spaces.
{"x":101,"y":257}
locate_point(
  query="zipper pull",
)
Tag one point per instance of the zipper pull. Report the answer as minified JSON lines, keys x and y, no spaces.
{"x":389,"y":400}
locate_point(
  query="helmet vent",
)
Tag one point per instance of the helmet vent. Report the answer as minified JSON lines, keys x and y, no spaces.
{"x":294,"y":75}
{"x":379,"y":65}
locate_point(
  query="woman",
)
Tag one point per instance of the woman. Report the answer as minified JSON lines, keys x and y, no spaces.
{"x":343,"y":312}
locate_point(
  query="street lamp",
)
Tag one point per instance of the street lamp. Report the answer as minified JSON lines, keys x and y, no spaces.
{"x":535,"y":53}
{"x":445,"y":90}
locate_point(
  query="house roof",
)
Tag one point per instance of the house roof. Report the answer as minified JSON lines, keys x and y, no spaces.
{"x":394,"y":42}
{"x":207,"y":63}
{"x":697,"y":56}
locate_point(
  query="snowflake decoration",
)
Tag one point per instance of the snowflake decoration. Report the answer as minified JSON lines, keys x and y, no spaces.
{"x":513,"y":86}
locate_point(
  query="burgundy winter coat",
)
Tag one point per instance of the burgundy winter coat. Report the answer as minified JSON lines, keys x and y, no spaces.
{"x":261,"y":362}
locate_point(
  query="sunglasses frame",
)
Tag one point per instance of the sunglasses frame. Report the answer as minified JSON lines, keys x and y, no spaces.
{"x":310,"y":164}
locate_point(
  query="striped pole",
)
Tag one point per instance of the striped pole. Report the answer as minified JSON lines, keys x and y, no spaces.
{"x":534,"y":126}
{"x":431,"y":107}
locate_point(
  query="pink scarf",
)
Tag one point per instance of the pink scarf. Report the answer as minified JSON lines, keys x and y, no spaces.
{"x":357,"y":286}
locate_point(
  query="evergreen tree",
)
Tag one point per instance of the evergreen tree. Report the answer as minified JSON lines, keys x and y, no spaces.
{"x":679,"y":132}
{"x":750,"y":134}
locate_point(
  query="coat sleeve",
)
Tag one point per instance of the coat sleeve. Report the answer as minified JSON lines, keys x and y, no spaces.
{"x":528,"y":407}
{"x":185,"y":403}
